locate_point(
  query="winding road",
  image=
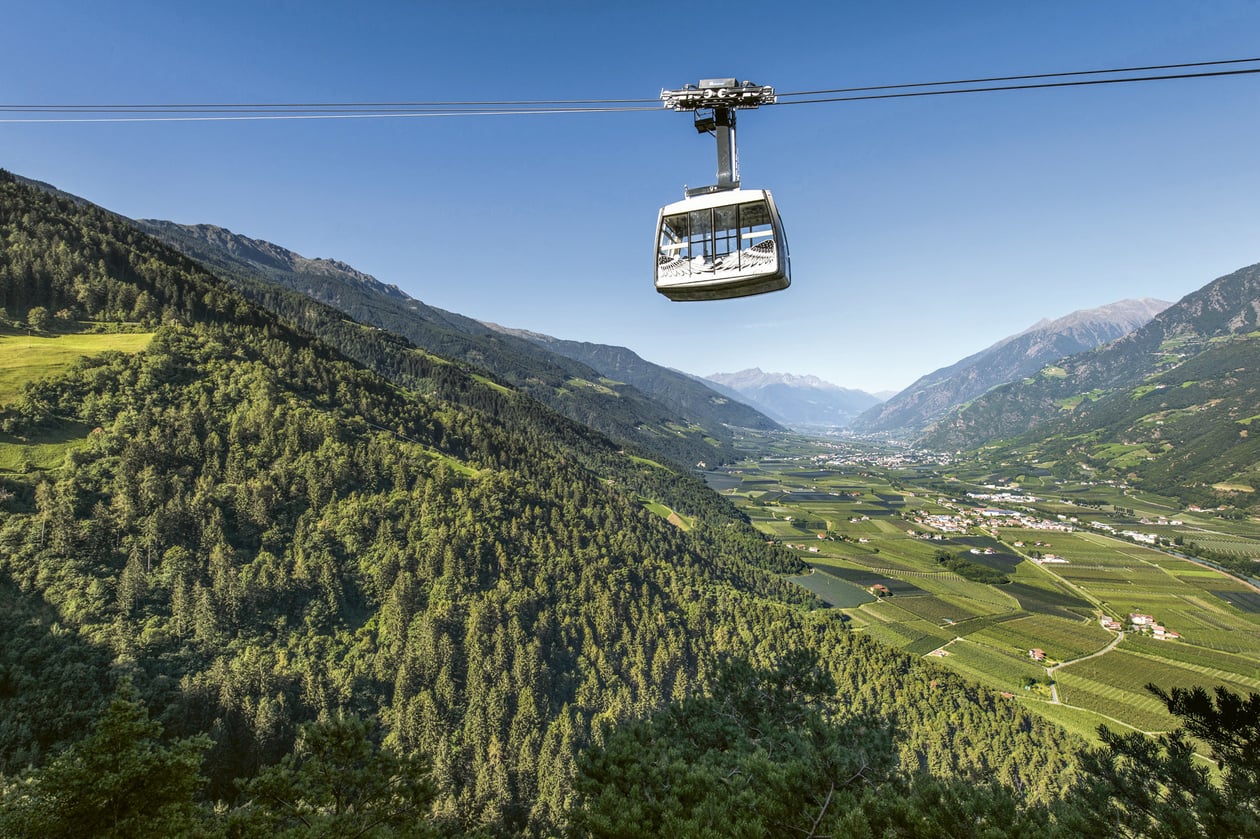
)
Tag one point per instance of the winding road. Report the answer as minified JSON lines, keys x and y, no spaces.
{"x":1054,"y":688}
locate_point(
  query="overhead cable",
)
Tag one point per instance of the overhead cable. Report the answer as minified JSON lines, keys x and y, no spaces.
{"x":1041,"y":85}
{"x":1112,"y":71}
{"x":254,"y":116}
{"x":270,"y":111}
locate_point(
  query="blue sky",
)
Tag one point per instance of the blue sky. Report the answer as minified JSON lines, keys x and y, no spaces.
{"x":922,"y":230}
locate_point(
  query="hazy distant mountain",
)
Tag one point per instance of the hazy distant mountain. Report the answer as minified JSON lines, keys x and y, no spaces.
{"x":1220,"y":313}
{"x":686,"y":427}
{"x":798,"y":401}
{"x":1010,"y":359}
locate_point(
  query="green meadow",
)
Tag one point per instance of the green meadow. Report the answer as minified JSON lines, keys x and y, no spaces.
{"x":27,"y":358}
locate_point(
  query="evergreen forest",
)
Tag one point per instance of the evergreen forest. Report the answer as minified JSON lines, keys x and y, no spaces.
{"x":282,"y":573}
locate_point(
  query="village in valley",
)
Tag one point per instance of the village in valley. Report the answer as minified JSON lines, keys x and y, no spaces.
{"x":1063,"y":596}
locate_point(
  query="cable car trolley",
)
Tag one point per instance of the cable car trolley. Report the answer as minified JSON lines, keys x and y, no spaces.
{"x":720,"y":241}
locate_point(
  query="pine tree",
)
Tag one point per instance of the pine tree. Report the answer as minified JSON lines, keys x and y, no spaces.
{"x":337,"y":783}
{"x":121,"y":781}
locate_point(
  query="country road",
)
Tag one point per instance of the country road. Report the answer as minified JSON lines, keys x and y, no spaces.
{"x":1054,"y":688}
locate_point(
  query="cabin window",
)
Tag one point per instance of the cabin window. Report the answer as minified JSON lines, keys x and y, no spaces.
{"x":716,"y":239}
{"x":725,"y":231}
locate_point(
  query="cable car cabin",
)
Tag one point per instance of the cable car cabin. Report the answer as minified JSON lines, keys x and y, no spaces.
{"x":720,"y":245}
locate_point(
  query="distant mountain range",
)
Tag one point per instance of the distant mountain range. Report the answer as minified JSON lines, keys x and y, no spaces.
{"x":607,"y":388}
{"x":802,"y":402}
{"x":1010,"y":359}
{"x":1169,"y":406}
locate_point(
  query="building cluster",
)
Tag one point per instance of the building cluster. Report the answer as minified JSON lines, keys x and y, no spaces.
{"x":989,"y":517}
{"x":1147,"y":623}
{"x":1004,"y":497}
{"x":942,"y":523}
{"x":900,"y":459}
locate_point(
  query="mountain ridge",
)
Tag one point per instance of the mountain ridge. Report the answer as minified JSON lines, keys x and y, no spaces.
{"x":693,"y":398}
{"x":275,"y":256}
{"x":1225,"y":307}
{"x":1019,"y":355}
{"x":687,"y":428}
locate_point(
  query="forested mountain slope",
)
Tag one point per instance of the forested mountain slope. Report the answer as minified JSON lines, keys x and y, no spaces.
{"x":692,"y":398}
{"x":258,"y":532}
{"x":1227,"y":306}
{"x":1010,"y":359}
{"x":1186,"y":433}
{"x":687,"y":431}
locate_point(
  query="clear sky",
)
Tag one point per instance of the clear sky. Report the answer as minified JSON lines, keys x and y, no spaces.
{"x":922,"y":230}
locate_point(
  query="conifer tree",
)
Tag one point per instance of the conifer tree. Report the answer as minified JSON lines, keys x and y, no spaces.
{"x":120,"y":781}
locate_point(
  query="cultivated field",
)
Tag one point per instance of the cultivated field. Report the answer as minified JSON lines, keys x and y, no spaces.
{"x":859,"y":526}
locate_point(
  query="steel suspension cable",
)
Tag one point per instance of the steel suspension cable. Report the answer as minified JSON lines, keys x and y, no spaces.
{"x":265,"y":111}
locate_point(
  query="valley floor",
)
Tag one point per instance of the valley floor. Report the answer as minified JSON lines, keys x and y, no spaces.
{"x":1095,"y":603}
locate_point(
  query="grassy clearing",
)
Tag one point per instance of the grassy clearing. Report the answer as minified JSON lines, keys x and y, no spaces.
{"x":577,"y":384}
{"x":46,"y":451}
{"x":490,"y":383}
{"x":646,"y":462}
{"x":676,"y":519}
{"x":27,"y":358}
